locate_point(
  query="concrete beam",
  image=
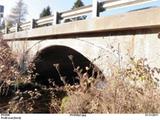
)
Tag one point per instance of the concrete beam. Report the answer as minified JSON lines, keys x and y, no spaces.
{"x":148,"y":18}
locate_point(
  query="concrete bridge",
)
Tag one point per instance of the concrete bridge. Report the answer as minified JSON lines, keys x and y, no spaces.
{"x":104,"y":41}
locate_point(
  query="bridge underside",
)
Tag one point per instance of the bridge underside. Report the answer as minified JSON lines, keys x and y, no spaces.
{"x":57,"y":65}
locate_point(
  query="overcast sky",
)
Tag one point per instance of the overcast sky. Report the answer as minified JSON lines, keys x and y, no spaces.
{"x":36,"y":6}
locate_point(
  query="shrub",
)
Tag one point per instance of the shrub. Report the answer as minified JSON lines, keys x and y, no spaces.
{"x":120,"y":95}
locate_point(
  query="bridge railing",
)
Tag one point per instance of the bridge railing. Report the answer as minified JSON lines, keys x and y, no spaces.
{"x":58,"y":18}
{"x":25,"y":26}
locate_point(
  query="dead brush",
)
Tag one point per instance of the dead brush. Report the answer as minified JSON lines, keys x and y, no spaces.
{"x":8,"y":68}
{"x":120,"y":95}
{"x":10,"y":77}
{"x":85,"y":96}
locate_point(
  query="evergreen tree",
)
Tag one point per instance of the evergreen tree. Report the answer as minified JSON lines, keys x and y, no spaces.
{"x":100,"y":7}
{"x":45,"y":12}
{"x":77,"y":4}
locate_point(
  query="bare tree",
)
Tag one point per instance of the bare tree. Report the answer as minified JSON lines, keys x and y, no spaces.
{"x":18,"y":13}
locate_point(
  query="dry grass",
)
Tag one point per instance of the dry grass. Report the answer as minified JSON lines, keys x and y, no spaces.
{"x":8,"y":71}
{"x":131,"y":90}
{"x":10,"y":77}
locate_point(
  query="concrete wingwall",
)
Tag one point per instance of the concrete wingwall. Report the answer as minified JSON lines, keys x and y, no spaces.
{"x":104,"y":51}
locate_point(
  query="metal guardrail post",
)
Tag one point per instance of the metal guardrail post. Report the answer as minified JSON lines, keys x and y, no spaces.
{"x":32,"y":24}
{"x":95,"y":12}
{"x":55,"y":18}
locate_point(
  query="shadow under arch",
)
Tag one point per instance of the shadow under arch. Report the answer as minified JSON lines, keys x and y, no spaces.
{"x":56,"y":65}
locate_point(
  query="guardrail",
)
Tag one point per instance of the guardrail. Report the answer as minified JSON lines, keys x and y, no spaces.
{"x":58,"y":18}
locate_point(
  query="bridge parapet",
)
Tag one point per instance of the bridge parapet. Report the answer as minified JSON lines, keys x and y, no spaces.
{"x":60,"y":17}
{"x":145,"y":19}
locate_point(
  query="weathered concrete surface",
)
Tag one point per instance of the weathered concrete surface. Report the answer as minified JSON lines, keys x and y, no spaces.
{"x":149,"y":18}
{"x":104,"y":52}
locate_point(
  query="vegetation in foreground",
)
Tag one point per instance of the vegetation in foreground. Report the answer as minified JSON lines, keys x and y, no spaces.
{"x":130,"y":90}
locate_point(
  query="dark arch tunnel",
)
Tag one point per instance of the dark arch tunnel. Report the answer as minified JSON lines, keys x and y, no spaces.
{"x":56,"y":65}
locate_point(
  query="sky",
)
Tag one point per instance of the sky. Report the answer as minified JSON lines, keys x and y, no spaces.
{"x":36,"y":6}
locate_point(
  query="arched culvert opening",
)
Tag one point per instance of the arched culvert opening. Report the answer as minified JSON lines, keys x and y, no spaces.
{"x":57,"y":65}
